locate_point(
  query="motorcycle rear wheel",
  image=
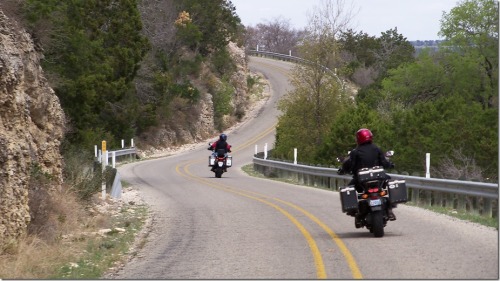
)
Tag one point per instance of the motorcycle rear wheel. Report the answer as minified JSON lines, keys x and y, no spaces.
{"x":378,"y":224}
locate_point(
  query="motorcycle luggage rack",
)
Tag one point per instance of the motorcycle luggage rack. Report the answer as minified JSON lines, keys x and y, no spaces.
{"x":371,"y":174}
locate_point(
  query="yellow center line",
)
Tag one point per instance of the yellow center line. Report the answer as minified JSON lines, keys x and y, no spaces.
{"x":318,"y":260}
{"x":356,"y":273}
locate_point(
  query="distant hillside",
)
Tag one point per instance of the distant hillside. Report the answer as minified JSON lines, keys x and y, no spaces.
{"x":419,"y":45}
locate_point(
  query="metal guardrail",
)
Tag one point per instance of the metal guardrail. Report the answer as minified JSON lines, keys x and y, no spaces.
{"x":485,"y":194}
{"x":486,"y":190}
{"x":123,"y":152}
{"x":293,"y":59}
{"x":115,"y":155}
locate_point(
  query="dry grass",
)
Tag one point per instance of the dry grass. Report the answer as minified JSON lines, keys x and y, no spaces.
{"x":58,"y":235}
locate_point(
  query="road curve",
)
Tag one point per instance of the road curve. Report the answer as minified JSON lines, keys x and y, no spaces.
{"x":240,"y":227}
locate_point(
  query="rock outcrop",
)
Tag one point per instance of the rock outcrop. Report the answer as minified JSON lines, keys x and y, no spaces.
{"x":31,"y":127}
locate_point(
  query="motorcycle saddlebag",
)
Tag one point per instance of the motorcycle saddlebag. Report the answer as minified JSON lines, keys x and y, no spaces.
{"x":229,"y":161}
{"x":211,"y":160}
{"x":397,"y":191}
{"x":349,"y":199}
{"x":371,"y":174}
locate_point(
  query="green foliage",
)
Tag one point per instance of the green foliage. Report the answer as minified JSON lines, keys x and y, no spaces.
{"x":445,"y":125}
{"x":222,"y":102}
{"x":307,"y":112}
{"x":362,"y":49}
{"x":223,"y":63}
{"x":471,"y":29}
{"x":363,"y":52}
{"x":190,"y":35}
{"x":341,"y":137}
{"x":214,"y":24}
{"x":394,"y":50}
{"x":94,"y":51}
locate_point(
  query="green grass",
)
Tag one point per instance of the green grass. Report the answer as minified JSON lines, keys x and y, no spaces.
{"x":463,"y":215}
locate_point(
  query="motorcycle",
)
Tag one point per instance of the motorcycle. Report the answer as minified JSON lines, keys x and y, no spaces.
{"x":379,"y":191}
{"x":219,"y":161}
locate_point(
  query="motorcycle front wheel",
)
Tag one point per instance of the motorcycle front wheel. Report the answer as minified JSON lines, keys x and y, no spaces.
{"x":218,"y":172}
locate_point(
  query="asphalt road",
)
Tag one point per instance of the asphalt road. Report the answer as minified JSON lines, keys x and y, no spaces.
{"x":241,"y":227}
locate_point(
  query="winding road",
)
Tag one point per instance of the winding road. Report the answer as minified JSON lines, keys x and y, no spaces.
{"x":242,"y":227}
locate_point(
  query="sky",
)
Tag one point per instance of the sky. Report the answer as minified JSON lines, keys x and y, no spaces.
{"x":414,"y":19}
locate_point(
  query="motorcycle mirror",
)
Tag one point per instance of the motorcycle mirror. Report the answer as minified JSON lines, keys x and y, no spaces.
{"x":389,"y":153}
{"x":210,"y":144}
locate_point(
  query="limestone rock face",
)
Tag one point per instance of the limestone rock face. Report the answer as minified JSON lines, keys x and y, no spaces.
{"x":31,"y":127}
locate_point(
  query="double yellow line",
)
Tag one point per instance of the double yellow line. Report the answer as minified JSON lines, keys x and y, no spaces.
{"x":318,"y":260}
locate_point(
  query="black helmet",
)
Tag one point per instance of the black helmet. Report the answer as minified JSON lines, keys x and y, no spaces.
{"x":223,"y":137}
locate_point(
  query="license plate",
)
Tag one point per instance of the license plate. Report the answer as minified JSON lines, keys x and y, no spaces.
{"x":220,"y":164}
{"x":376,"y":202}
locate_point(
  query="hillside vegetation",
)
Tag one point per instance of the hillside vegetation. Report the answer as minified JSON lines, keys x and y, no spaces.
{"x":442,"y":101}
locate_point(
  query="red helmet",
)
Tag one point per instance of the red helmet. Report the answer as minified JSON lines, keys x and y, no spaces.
{"x":363,"y":136}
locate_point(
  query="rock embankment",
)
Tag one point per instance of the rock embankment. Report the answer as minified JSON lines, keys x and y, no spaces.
{"x":31,"y":127}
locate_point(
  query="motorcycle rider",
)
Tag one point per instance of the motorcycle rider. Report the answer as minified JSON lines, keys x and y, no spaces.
{"x":220,"y":144}
{"x":365,"y":155}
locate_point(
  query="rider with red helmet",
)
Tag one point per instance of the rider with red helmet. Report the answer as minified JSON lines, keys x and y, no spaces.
{"x":365,"y":155}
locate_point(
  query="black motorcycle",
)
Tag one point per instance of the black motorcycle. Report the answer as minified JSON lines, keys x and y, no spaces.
{"x":378,"y":192}
{"x":219,"y":161}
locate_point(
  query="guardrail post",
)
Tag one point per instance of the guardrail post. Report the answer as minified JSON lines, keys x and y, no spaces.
{"x":461,"y":202}
{"x":487,"y":208}
{"x":438,"y":199}
{"x":415,"y":195}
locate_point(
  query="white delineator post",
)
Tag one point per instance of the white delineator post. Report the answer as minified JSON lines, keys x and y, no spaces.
{"x":295,"y":156}
{"x":265,"y":151}
{"x":427,"y":165}
{"x":104,"y":163}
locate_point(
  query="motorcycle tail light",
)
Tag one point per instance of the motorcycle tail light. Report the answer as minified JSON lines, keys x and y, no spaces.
{"x":373,"y":190}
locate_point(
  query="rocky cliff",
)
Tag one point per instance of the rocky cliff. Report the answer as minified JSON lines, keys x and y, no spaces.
{"x":31,"y":127}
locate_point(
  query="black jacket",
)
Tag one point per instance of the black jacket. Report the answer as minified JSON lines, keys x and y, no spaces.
{"x":367,"y":155}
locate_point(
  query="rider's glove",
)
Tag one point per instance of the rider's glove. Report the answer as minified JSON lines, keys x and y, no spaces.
{"x":340,"y":171}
